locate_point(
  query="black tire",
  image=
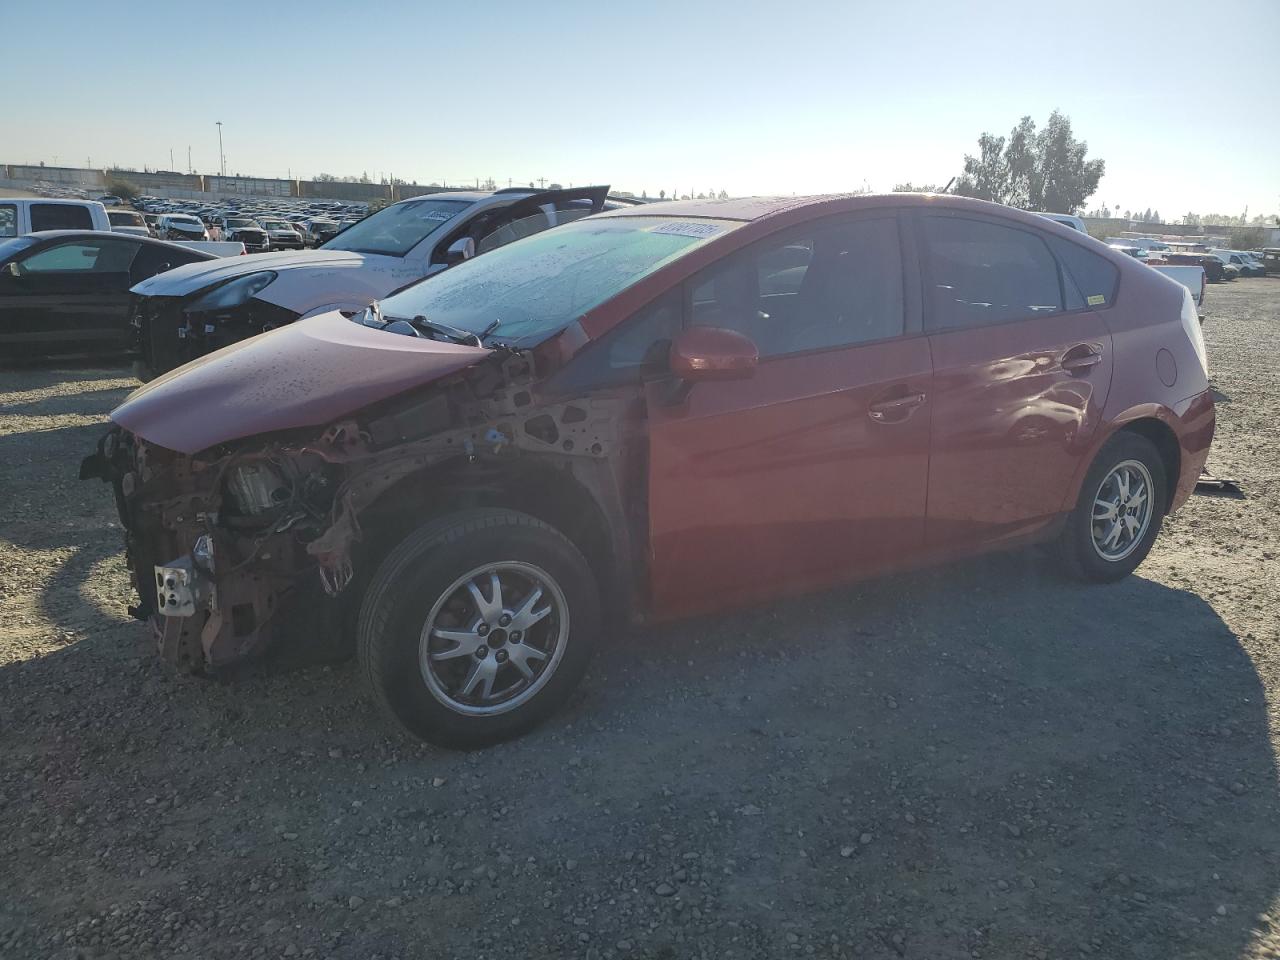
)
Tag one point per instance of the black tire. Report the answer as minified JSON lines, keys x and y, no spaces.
{"x":419,"y":572}
{"x":1077,"y":555}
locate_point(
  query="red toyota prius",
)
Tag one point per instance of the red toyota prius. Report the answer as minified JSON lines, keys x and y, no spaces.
{"x":660,"y":411}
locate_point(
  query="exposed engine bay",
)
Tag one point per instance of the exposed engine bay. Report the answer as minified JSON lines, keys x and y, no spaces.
{"x":234,"y":546}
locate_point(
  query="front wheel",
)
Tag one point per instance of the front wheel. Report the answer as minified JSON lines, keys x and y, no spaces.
{"x":477,"y":627}
{"x":1118,"y":515}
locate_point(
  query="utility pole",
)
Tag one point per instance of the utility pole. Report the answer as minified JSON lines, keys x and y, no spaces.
{"x":171,"y":158}
{"x":542,"y":182}
{"x":222,"y":157}
{"x":188,"y":158}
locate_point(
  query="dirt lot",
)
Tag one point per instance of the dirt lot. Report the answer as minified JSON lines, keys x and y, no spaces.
{"x":981,"y":761}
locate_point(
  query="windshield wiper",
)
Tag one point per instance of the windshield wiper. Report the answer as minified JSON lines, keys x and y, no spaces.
{"x":373,"y":316}
{"x":453,"y":333}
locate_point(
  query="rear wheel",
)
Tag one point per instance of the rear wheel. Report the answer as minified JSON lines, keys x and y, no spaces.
{"x":477,"y":627}
{"x":1118,"y":515}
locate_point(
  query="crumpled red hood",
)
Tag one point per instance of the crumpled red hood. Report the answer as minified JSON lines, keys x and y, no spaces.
{"x":305,"y":374}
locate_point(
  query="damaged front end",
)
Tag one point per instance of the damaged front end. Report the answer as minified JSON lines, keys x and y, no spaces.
{"x":219,"y":544}
{"x":236,"y":546}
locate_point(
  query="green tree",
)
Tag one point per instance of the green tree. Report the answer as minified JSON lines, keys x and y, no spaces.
{"x":121,"y":188}
{"x":1247,"y":238}
{"x":1036,"y":170}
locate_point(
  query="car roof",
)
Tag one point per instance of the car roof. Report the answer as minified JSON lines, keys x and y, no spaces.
{"x":749,"y":209}
{"x":128,"y":237}
{"x":66,"y":200}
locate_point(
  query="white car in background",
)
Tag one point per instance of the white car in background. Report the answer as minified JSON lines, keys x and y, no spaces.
{"x":22,"y":215}
{"x":189,"y":311}
{"x":128,"y":221}
{"x":1067,"y":220}
{"x":281,"y":234}
{"x":181,"y":226}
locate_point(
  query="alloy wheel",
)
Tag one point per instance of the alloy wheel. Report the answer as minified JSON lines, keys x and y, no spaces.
{"x":494,"y":638}
{"x":1122,"y":510}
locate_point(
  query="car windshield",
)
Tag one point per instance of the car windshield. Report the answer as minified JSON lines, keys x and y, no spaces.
{"x":397,"y":229}
{"x":184,"y":221}
{"x":535,"y":287}
{"x":124,"y":219}
{"x":240,"y":222}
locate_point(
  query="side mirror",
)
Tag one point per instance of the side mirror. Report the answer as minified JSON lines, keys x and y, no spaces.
{"x":11,"y":269}
{"x":713,"y":353}
{"x":461,"y":249}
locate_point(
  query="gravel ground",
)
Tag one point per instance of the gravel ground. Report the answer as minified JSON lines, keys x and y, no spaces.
{"x":979,"y":761}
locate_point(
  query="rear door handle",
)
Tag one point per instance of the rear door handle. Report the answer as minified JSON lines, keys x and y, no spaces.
{"x":1080,"y":359}
{"x":894,"y":407}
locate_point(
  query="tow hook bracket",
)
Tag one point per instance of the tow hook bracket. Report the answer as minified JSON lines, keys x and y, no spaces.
{"x":179,"y":588}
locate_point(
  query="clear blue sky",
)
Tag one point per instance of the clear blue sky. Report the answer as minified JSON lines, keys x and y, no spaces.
{"x":1182,"y":99}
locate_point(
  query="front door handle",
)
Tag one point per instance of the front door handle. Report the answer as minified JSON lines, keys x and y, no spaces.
{"x":1081,"y":358}
{"x":894,"y":407}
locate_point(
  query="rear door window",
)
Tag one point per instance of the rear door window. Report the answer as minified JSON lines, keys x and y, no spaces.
{"x":982,"y":273}
{"x":60,"y":216}
{"x":8,"y":220}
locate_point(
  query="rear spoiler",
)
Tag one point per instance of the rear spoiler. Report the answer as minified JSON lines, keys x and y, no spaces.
{"x":597,"y":195}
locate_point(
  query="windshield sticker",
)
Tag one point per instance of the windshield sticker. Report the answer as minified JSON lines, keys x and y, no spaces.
{"x":436,"y":215}
{"x":699,"y":231}
{"x":1097,"y":299}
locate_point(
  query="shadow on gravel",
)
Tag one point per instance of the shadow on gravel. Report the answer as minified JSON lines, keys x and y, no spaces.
{"x":981,"y":759}
{"x":47,"y":507}
{"x":1004,"y":761}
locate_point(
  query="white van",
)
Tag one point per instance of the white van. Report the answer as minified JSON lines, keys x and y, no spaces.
{"x":22,"y":215}
{"x":1067,"y":220}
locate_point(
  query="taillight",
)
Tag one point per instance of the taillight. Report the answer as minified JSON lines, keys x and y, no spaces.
{"x":1191,"y":324}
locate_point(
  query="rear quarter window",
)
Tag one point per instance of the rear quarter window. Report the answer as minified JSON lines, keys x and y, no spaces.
{"x":1094,"y":277}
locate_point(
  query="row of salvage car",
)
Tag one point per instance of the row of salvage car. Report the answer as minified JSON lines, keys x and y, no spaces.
{"x":647,"y":412}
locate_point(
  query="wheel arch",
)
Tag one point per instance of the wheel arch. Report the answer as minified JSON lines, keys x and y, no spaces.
{"x":560,"y":492}
{"x":1162,"y":437}
{"x":1153,"y":422}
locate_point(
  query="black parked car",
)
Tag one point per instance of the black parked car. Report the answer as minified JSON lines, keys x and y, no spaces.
{"x":1214,"y":271}
{"x":66,"y":292}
